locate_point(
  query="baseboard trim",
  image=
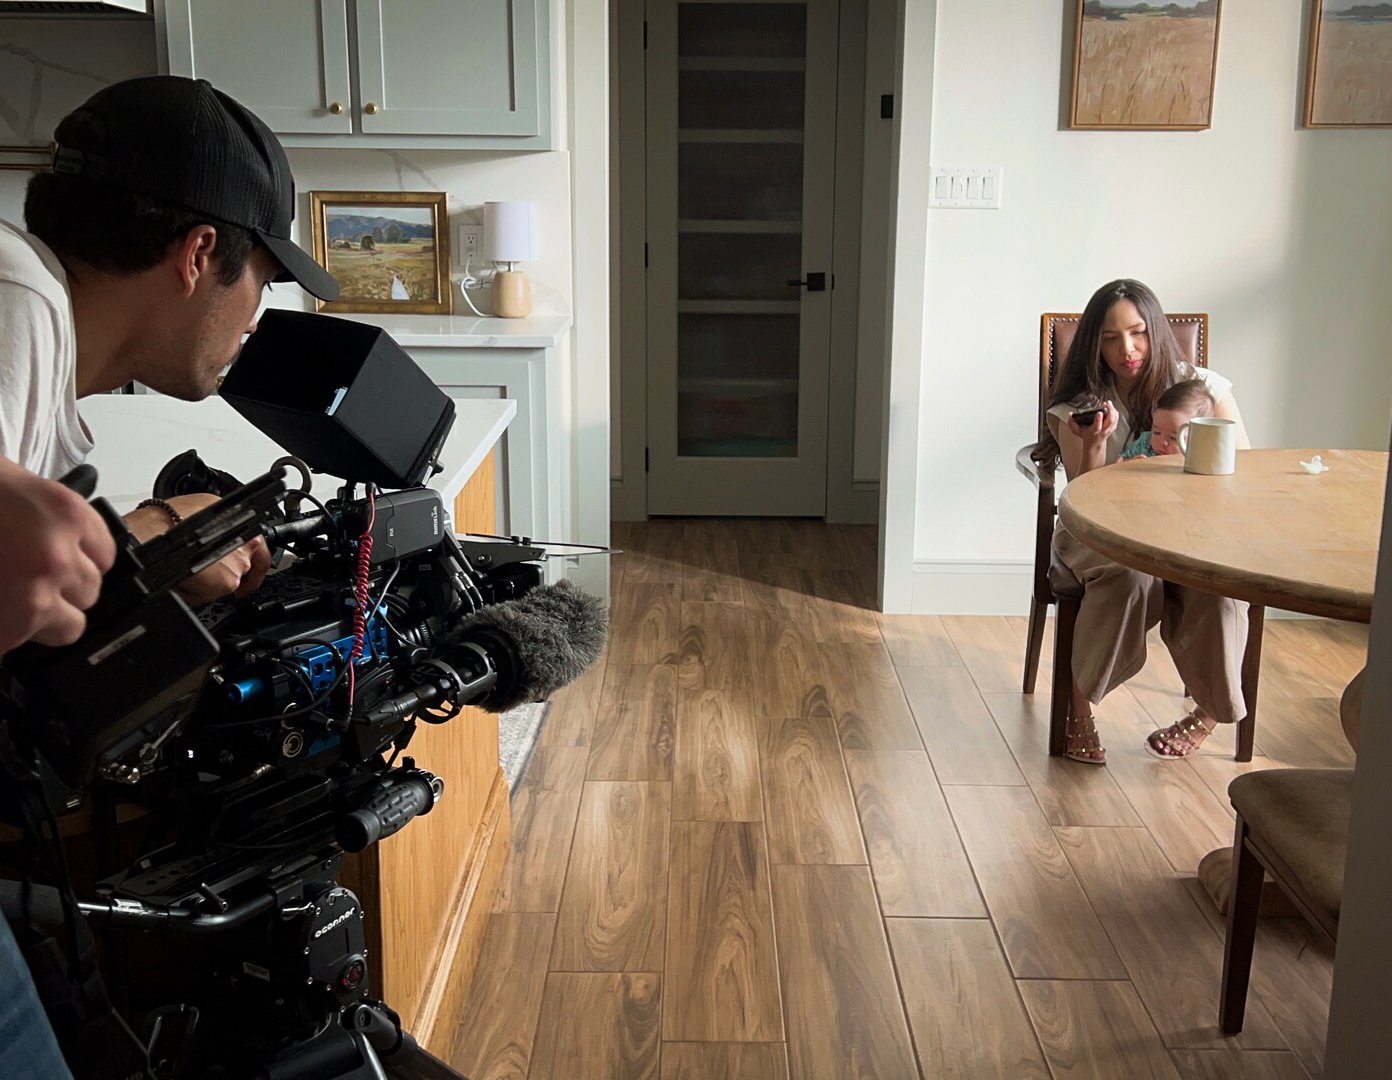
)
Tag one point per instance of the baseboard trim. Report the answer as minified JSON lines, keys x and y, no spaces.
{"x":970,"y":587}
{"x":436,"y":1025}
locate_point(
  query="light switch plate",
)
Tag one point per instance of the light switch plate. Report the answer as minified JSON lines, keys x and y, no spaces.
{"x":962,"y":187}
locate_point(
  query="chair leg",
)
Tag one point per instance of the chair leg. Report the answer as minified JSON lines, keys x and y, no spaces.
{"x":1034,"y":643}
{"x":1241,"y":937}
{"x":1251,"y":672}
{"x":1062,"y":695}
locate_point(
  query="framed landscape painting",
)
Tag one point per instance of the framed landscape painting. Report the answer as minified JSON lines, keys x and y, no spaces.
{"x":389,"y":251}
{"x":1348,"y":80}
{"x":1144,"y":66}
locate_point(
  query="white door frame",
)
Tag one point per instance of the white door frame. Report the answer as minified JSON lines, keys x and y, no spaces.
{"x":917,"y":35}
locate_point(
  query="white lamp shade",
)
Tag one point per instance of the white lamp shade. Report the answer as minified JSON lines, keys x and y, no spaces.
{"x":509,"y":231}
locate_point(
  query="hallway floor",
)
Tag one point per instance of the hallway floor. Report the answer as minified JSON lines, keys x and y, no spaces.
{"x":775,"y":834}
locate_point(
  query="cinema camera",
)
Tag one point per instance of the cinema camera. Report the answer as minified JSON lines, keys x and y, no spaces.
{"x":266,"y":736}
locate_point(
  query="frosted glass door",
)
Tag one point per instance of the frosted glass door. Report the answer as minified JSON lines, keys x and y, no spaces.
{"x":741,"y":100}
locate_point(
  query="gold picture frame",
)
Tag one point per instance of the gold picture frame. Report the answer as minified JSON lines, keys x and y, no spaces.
{"x":1350,"y":85}
{"x":1144,"y":67}
{"x":388,"y":250}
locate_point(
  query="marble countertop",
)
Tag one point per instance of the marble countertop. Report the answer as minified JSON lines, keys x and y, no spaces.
{"x":537,"y":332}
{"x":135,"y":434}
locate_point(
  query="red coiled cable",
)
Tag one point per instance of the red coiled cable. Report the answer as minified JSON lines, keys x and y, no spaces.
{"x":364,"y":570}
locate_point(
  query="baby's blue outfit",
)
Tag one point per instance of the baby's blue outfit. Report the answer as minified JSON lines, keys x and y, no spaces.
{"x":1139,"y":447}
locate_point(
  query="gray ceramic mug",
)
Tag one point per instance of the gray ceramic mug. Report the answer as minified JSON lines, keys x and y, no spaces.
{"x":1209,"y":445}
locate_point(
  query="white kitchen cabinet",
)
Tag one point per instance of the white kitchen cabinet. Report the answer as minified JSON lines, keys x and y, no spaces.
{"x":423,"y":74}
{"x":518,"y":374}
{"x":517,"y":359}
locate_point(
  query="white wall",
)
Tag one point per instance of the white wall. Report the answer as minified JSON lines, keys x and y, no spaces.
{"x":1283,"y":235}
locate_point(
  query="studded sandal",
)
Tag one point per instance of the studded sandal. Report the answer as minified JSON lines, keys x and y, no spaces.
{"x":1081,"y":743}
{"x":1179,"y":740}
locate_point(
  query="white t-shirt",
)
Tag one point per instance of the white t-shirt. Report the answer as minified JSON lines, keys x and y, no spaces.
{"x":1122,"y":437}
{"x":40,"y":428}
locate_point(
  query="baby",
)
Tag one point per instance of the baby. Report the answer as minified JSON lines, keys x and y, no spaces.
{"x":1173,"y":409}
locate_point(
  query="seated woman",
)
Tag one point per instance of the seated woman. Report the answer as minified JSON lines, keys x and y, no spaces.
{"x":1123,"y":358}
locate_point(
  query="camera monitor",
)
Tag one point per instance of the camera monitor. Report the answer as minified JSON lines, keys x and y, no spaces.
{"x":342,"y":396}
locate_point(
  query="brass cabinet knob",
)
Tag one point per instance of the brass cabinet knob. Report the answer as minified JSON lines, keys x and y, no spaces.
{"x":335,"y":107}
{"x":370,"y":108}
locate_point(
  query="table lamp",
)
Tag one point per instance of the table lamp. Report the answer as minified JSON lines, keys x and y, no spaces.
{"x":509,"y":236}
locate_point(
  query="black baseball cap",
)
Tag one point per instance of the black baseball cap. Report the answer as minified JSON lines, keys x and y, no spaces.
{"x":183,"y":141}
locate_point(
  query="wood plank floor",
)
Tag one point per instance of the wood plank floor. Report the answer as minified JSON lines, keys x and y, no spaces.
{"x":774,"y":835}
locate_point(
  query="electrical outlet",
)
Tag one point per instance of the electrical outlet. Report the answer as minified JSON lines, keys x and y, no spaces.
{"x":469,"y":244}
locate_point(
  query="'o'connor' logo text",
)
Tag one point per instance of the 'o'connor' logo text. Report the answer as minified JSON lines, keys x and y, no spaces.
{"x":335,"y":922}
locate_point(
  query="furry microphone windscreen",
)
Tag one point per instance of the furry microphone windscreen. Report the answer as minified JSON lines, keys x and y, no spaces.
{"x":557,"y":631}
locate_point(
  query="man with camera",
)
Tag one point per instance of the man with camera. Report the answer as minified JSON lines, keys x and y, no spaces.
{"x":167,"y":213}
{"x":147,"y":250}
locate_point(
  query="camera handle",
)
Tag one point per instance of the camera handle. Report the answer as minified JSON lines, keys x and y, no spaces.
{"x":400,"y":1053}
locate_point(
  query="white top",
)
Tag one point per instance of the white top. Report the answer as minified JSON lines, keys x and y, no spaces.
{"x":137,"y":433}
{"x":39,"y":424}
{"x":414,"y":331}
{"x":1057,"y":417}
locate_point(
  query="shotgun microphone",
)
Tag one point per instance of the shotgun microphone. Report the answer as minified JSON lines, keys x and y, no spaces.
{"x":511,"y":653}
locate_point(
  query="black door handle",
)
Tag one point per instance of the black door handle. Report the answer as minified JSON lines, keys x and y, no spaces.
{"x":812,"y":283}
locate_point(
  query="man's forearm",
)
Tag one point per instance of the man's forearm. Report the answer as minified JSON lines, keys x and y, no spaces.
{"x":148,"y":522}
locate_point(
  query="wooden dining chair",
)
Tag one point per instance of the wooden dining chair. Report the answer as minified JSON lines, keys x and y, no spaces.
{"x":1055,"y":584}
{"x":1292,"y":825}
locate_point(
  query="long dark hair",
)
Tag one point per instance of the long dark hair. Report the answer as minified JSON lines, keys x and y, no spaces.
{"x":1085,"y":374}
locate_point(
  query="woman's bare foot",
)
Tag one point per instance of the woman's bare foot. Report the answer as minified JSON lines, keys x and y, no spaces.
{"x":1181,"y":738}
{"x":1080,"y":741}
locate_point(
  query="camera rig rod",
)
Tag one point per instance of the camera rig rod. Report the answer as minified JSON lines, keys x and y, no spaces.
{"x":45,"y":908}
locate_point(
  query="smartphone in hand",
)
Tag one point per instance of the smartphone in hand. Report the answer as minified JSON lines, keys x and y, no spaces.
{"x":1087,"y":417}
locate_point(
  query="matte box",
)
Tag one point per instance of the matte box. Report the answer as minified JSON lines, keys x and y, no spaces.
{"x":342,"y":396}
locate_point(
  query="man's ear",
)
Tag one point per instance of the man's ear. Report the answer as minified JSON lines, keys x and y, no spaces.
{"x":193,"y":255}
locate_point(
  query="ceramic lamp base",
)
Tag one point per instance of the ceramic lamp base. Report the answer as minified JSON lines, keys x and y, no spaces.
{"x":512,"y":294}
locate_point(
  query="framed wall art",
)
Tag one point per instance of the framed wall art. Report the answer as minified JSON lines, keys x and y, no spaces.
{"x":1142,"y":66}
{"x":1348,"y":74}
{"x":388,"y":250}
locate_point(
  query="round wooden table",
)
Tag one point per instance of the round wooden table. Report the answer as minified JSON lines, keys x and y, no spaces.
{"x":1271,"y":533}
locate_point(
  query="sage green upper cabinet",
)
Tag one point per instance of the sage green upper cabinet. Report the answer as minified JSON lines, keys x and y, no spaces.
{"x":423,"y":74}
{"x":286,"y":60}
{"x":437,"y":67}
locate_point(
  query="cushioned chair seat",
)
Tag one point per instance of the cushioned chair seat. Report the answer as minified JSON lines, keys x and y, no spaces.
{"x":1302,"y":817}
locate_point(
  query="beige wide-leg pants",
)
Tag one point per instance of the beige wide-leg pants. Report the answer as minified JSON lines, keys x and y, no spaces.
{"x":1205,"y":634}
